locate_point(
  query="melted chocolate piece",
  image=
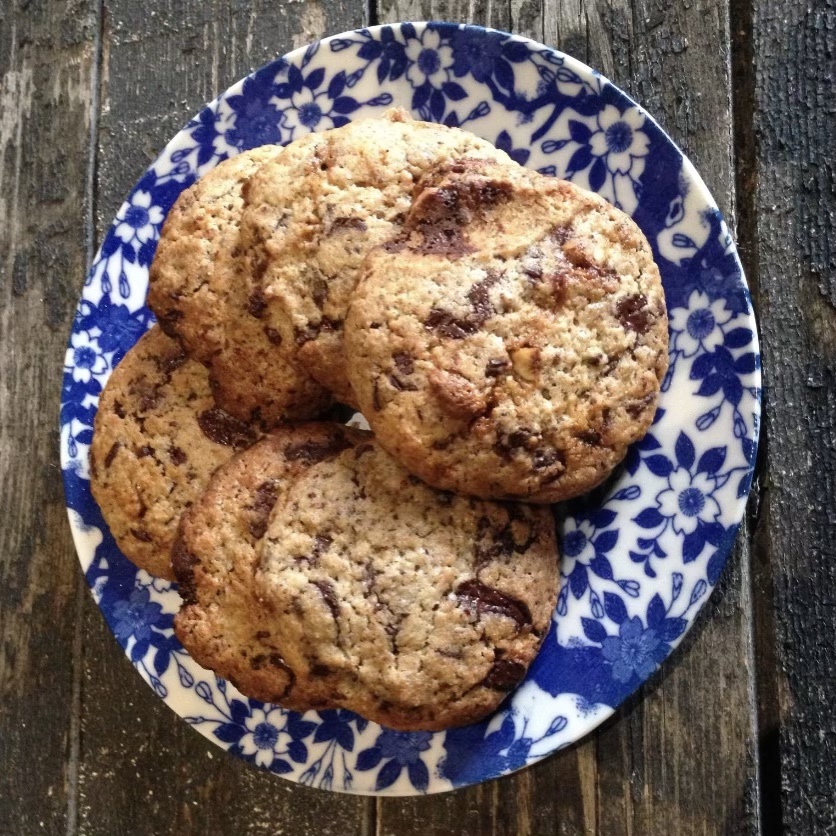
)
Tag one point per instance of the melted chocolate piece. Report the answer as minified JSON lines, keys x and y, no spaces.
{"x":273,"y":335}
{"x":111,"y":454}
{"x":142,"y":535}
{"x":177,"y":456}
{"x":484,"y":599}
{"x":633,"y":313}
{"x":144,"y":451}
{"x":404,"y":363}
{"x":316,"y":451}
{"x":637,"y":407}
{"x":494,"y":368}
{"x":504,"y":675}
{"x":171,"y":363}
{"x":328,"y":593}
{"x":479,"y":298}
{"x":168,"y":322}
{"x":275,"y":660}
{"x":256,"y":304}
{"x":590,"y":437}
{"x":183,"y":562}
{"x":319,"y":291}
{"x":401,"y":385}
{"x":561,"y":234}
{"x":222,"y":428}
{"x":444,"y":323}
{"x":544,"y":458}
{"x":263,"y":501}
{"x":119,"y":409}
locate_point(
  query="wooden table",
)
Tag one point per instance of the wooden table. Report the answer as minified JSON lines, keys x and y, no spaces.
{"x":735,"y":735}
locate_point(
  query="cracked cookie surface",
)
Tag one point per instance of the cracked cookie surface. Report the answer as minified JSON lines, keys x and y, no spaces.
{"x":204,"y":296}
{"x":158,"y":437}
{"x":510,"y":342}
{"x":413,"y":607}
{"x":353,"y":193}
{"x":221,"y":622}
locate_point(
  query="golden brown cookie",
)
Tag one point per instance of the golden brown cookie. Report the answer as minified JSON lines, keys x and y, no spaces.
{"x":221,"y":623}
{"x":204,"y":296}
{"x":413,"y":607}
{"x":307,"y":242}
{"x":157,"y":439}
{"x":510,"y":342}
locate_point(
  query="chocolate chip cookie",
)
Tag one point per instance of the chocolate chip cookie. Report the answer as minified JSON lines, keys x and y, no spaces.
{"x":510,"y":342}
{"x":415,"y":608}
{"x":204,"y":296}
{"x":307,"y":246}
{"x":158,"y":437}
{"x":221,"y":622}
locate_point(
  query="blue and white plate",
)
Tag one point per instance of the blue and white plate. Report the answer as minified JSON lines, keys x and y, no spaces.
{"x":639,"y":557}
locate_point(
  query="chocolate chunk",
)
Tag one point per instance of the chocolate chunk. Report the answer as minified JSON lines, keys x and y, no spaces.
{"x":111,"y":454}
{"x":504,"y":675}
{"x":275,"y":660}
{"x":319,"y":291}
{"x":637,"y":407}
{"x":402,"y":385}
{"x":479,"y":298}
{"x":263,"y":501}
{"x":177,"y":456}
{"x":183,"y":562}
{"x":545,"y":457}
{"x":444,"y":323}
{"x":222,"y":428}
{"x":518,"y":438}
{"x":590,"y":437}
{"x":404,"y":363}
{"x":322,"y":542}
{"x":170,"y":363}
{"x":142,"y":534}
{"x":316,"y":451}
{"x":326,"y":589}
{"x":273,"y":335}
{"x":256,"y":303}
{"x":144,"y":451}
{"x":119,"y":409}
{"x":494,"y":368}
{"x":318,"y":669}
{"x":168,"y":322}
{"x":262,"y":634}
{"x":343,"y":224}
{"x":474,"y":594}
{"x":633,"y":313}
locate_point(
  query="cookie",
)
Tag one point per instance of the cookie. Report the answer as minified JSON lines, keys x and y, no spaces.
{"x":307,"y":247}
{"x":510,"y":343}
{"x":203,"y":296}
{"x":157,"y":439}
{"x":221,"y":622}
{"x":415,"y":608}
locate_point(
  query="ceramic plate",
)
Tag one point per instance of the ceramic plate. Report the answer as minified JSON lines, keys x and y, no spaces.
{"x":639,"y":557}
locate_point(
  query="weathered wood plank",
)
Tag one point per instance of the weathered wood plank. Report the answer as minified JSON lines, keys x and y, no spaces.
{"x":46,"y":64}
{"x":143,"y":770}
{"x":794,"y":203}
{"x":641,"y":773}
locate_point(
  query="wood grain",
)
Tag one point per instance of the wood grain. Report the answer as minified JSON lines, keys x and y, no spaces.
{"x":794,"y":203}
{"x":142,"y":769}
{"x":736,"y":735}
{"x":46,"y":71}
{"x":640,"y":773}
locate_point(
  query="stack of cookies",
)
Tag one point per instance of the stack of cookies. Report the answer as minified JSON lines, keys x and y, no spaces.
{"x":503,"y":333}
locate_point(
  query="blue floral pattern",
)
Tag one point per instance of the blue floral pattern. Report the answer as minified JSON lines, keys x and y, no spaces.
{"x":639,"y":555}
